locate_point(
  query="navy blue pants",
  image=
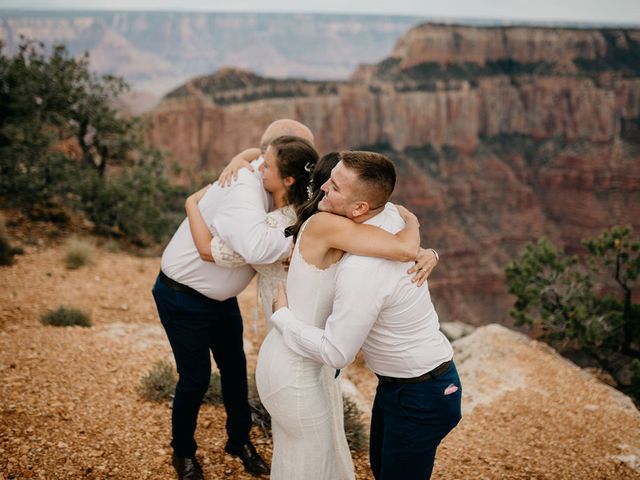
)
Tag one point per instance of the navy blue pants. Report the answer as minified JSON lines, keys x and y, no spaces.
{"x":408,"y":422}
{"x":196,"y":325}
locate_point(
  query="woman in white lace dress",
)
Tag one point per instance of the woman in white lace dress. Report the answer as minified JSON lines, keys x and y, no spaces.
{"x":302,"y":396}
{"x":286,"y":170}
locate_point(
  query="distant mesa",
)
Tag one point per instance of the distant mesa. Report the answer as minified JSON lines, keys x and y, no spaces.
{"x":501,"y":135}
{"x":234,"y":85}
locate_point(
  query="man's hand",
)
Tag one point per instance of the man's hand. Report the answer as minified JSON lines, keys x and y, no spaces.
{"x":242,"y":160}
{"x":280,"y":299}
{"x":425,"y":263}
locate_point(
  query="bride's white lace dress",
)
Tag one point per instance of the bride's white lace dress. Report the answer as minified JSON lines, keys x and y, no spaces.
{"x":269,"y":275}
{"x":302,"y":396}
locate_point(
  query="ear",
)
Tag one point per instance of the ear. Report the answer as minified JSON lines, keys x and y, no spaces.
{"x":360,"y":208}
{"x":288,"y":181}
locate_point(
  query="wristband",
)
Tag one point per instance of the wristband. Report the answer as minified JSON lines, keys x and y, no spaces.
{"x":436,"y":254}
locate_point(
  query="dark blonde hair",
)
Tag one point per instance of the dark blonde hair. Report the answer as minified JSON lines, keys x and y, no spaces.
{"x":296,"y":158}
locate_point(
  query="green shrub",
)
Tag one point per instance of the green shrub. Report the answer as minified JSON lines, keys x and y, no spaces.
{"x":584,"y":303}
{"x":159,"y":383}
{"x":66,"y":317}
{"x":63,"y":145}
{"x":7,"y":252}
{"x":78,"y":253}
{"x":354,"y":427}
{"x":214,"y":392}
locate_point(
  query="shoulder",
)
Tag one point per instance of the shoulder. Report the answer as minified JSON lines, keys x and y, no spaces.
{"x":328,"y":221}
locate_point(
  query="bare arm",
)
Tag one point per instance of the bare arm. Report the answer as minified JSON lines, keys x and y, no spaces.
{"x":199,"y":230}
{"x":242,"y":160}
{"x":343,"y":234}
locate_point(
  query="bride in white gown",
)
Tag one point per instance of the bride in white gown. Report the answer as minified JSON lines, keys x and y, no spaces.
{"x":302,"y":396}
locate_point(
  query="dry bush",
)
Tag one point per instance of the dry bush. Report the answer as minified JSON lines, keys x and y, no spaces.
{"x":354,"y":427}
{"x":159,"y":383}
{"x":78,"y":253}
{"x":66,"y":317}
{"x":7,"y":252}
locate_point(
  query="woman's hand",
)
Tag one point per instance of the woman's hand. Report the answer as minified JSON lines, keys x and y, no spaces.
{"x":425,"y":263}
{"x":242,"y":160}
{"x":280,"y":300}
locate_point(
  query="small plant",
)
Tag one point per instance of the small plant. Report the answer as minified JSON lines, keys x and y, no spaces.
{"x":159,"y":383}
{"x":66,"y":317}
{"x":259,"y":415}
{"x":354,"y":428}
{"x":112,"y":246}
{"x":7,"y":252}
{"x":78,"y":253}
{"x":214,"y":392}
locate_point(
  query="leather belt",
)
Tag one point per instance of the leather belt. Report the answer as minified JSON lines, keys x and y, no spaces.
{"x":179,"y":287}
{"x":439,"y":370}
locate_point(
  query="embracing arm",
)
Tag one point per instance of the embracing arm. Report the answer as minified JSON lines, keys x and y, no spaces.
{"x":368,"y":240}
{"x":210,"y":248}
{"x":243,"y":226}
{"x":242,"y":160}
{"x":199,"y":230}
{"x":358,"y":301}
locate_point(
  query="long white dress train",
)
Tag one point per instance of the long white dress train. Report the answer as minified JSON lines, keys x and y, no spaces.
{"x":302,"y":396}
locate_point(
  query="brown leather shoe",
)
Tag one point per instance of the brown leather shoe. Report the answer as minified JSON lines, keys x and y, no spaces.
{"x":187,"y":468}
{"x":251,"y":459}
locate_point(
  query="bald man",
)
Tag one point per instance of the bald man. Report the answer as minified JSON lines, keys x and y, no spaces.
{"x":197,"y":305}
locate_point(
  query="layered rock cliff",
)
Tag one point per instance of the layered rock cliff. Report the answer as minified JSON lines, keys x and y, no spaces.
{"x":501,"y":135}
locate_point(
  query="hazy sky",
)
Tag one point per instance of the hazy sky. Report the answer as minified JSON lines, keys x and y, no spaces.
{"x":599,"y":11}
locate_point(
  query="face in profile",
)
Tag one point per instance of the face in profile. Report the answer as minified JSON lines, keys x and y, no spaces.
{"x":271,"y":178}
{"x":338,"y":191}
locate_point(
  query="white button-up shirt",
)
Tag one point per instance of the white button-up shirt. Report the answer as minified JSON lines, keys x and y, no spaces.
{"x":237,"y":215}
{"x":378,"y":309}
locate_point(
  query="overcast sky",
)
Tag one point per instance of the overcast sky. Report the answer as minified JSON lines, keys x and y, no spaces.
{"x":599,"y":11}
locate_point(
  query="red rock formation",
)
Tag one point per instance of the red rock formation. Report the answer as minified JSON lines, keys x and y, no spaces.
{"x":501,"y":136}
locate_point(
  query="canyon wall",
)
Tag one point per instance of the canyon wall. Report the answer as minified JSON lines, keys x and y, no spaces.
{"x":501,"y":135}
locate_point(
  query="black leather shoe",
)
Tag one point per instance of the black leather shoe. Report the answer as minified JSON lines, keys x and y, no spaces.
{"x":187,"y":468}
{"x":250,"y":458}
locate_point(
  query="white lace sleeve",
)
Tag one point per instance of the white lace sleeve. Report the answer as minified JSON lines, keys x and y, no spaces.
{"x":224,"y":256}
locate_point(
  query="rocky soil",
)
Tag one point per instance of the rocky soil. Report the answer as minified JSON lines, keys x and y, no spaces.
{"x":69,"y":408}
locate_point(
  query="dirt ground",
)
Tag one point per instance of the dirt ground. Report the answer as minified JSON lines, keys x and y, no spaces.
{"x":69,"y":408}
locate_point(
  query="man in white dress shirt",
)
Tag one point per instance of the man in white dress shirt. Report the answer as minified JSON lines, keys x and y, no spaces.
{"x":379,"y":310}
{"x":198,"y":309}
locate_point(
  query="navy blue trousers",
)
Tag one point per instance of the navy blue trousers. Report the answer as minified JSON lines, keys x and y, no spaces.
{"x":196,"y":325}
{"x":408,"y":422}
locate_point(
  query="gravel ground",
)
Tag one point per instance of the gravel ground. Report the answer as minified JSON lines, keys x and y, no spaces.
{"x":69,"y":407}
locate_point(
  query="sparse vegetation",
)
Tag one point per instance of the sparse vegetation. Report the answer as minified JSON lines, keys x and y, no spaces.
{"x":64,"y":147}
{"x":584,"y":306}
{"x":66,"y":317}
{"x":7,"y":251}
{"x":159,"y":384}
{"x":354,"y":427}
{"x":78,"y":253}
